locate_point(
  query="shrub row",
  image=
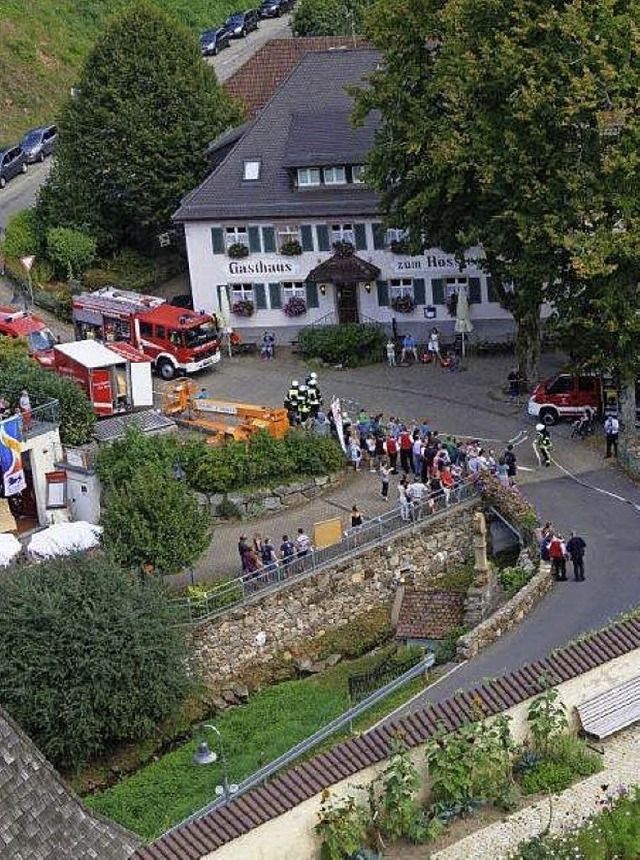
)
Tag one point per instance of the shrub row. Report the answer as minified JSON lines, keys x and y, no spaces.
{"x":350,"y":345}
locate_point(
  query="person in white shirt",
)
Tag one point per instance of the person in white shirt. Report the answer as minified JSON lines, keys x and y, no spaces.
{"x":416,"y":493}
{"x":405,"y":505}
{"x":612,"y":431}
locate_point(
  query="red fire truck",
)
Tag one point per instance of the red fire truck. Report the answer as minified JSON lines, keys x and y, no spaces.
{"x":40,"y":339}
{"x":116,"y":378}
{"x":174,"y":339}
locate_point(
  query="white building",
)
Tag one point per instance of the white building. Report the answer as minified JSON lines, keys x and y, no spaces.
{"x":293,"y":177}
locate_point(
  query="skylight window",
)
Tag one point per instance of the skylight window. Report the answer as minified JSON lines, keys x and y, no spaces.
{"x":251,"y":170}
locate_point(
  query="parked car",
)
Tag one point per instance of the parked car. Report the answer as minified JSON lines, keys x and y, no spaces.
{"x":12,"y":162}
{"x":213,"y":41}
{"x":274,"y":8}
{"x":39,"y":142}
{"x":240,"y":23}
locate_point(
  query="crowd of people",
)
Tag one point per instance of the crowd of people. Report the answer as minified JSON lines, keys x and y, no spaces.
{"x":260,"y":557}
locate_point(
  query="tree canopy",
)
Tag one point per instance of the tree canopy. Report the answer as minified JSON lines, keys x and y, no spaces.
{"x":134,"y":133}
{"x":88,"y":656}
{"x":509,"y":125}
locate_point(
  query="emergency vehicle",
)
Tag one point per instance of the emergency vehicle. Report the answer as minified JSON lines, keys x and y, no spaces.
{"x":40,"y":339}
{"x":116,"y":378}
{"x":176,"y":340}
{"x":568,"y":395}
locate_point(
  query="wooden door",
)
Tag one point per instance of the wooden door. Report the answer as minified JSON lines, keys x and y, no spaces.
{"x":347,"y":303}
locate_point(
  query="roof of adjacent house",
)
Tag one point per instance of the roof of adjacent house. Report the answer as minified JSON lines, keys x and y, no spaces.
{"x":258,"y":79}
{"x":318,"y":81}
{"x":40,"y":819}
{"x":429,"y":614}
{"x":200,"y":836}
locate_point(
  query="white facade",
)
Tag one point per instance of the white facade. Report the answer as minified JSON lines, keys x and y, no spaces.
{"x":429,"y":278}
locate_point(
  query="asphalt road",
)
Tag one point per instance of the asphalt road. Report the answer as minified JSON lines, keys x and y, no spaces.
{"x":20,"y":193}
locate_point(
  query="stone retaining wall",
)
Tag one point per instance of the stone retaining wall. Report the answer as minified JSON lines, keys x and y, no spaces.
{"x":512,"y":613}
{"x":226,"y":649}
{"x":271,"y":500}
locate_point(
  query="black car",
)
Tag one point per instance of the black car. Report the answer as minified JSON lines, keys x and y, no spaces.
{"x":274,"y":8}
{"x":39,"y":142}
{"x":12,"y":162}
{"x":241,"y":23}
{"x":212,"y":41}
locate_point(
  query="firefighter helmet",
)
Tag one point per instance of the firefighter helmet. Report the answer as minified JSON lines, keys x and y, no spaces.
{"x":540,"y":427}
{"x":294,"y":384}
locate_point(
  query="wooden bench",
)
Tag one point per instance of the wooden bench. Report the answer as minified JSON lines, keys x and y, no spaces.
{"x":611,"y":711}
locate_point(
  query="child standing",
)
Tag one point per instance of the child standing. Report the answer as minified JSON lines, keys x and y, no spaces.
{"x":391,"y":353}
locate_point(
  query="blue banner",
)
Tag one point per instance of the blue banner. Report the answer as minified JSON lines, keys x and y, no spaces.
{"x":11,"y":456}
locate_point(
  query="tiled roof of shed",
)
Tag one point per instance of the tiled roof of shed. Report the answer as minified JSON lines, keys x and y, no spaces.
{"x":40,"y":819}
{"x":429,"y":614}
{"x":302,"y":782}
{"x":319,"y":80}
{"x":258,"y":79}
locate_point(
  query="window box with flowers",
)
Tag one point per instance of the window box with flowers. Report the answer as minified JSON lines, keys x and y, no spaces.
{"x":292,"y":248}
{"x":403,"y":304}
{"x":243,"y":308}
{"x":295,"y":307}
{"x":238,"y":250}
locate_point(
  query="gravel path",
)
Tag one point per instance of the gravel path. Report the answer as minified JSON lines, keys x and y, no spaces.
{"x":568,"y":810}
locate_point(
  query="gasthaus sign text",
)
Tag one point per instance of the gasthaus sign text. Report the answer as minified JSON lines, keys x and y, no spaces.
{"x":282,"y":270}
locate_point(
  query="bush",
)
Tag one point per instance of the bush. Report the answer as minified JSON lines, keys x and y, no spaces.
{"x":88,"y":656}
{"x":350,"y":344}
{"x":20,"y":237}
{"x":75,"y":413}
{"x":133,"y":271}
{"x":358,"y":636}
{"x":69,"y":250}
{"x":549,"y":777}
{"x":153,"y":519}
{"x":567,"y":758}
{"x":512,"y":579}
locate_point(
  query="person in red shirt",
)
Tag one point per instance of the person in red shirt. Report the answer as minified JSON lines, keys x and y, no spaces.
{"x":392,"y":453}
{"x":406,"y":445}
{"x":557,"y":554}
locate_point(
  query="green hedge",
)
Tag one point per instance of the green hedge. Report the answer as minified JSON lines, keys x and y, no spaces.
{"x":210,"y":469}
{"x":130,"y":270}
{"x":75,"y":413}
{"x":350,"y":345}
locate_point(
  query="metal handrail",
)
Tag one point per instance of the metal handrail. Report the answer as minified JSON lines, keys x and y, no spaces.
{"x":251,"y":587}
{"x":287,"y":758}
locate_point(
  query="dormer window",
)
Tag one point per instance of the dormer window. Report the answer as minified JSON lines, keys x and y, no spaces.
{"x":308,"y":176}
{"x":357,"y":174}
{"x":334,"y":175}
{"x":251,"y":171}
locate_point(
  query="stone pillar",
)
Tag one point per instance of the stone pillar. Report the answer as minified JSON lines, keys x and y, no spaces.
{"x":481,"y":562}
{"x":482,"y":595}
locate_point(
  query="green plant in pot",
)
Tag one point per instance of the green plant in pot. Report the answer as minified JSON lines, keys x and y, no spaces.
{"x":292,"y":248}
{"x":238,"y":250}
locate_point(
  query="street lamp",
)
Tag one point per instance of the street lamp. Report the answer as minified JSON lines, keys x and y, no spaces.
{"x":203,"y":755}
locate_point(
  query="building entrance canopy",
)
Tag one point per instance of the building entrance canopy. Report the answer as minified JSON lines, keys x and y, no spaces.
{"x":344,"y":268}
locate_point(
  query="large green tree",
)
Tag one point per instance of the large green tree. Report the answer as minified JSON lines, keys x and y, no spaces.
{"x":134,"y":133}
{"x":88,"y":656}
{"x":493,"y":134}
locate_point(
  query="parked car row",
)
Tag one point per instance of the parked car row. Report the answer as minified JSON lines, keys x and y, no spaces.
{"x":34,"y":146}
{"x":239,"y":24}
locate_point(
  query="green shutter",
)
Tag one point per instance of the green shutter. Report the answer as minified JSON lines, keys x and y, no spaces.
{"x":378,"y":236}
{"x":360,"y":233}
{"x":437,"y":291}
{"x":492,"y":294}
{"x":419,"y":291}
{"x":260,"y":295}
{"x":306,"y":237}
{"x":275,"y":296}
{"x":322,"y":232}
{"x":312,"y":294}
{"x":254,"y":239}
{"x":475,"y":296}
{"x":217,"y":240}
{"x":383,"y":294}
{"x":268,"y":240}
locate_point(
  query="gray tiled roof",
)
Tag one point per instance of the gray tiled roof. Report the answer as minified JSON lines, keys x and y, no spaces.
{"x":318,"y":82}
{"x":317,"y":139}
{"x":40,"y":819}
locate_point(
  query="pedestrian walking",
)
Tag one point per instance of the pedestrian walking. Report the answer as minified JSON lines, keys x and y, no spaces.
{"x":303,"y":543}
{"x":269,"y":558}
{"x":391,"y":353}
{"x":612,"y":431}
{"x":543,"y":444}
{"x":288,"y":552}
{"x":243,"y":546}
{"x":557,"y":555}
{"x":385,"y":476}
{"x":575,"y":548}
{"x":511,"y":460}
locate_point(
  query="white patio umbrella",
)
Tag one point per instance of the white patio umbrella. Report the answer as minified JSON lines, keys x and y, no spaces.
{"x":225,"y":316}
{"x":463,"y":320}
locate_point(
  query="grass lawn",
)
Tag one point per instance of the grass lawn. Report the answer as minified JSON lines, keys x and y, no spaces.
{"x":274,"y":720}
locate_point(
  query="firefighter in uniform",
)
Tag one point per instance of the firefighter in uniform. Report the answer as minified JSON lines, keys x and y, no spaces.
{"x":544,"y":444}
{"x":313,"y":399}
{"x":304,"y":408}
{"x":292,"y":402}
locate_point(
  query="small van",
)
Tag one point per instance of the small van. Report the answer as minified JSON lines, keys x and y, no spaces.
{"x":39,"y":142}
{"x":12,"y":162}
